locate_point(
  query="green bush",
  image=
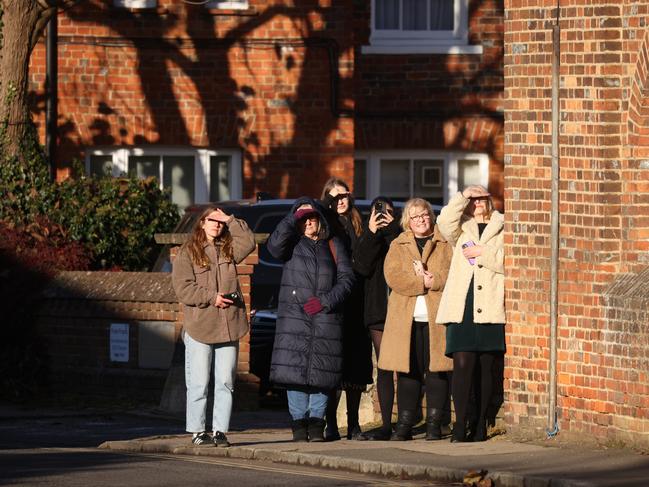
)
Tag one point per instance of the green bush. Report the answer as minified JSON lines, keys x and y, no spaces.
{"x":115,"y":218}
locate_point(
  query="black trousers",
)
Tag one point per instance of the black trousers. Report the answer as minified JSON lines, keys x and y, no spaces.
{"x":409,"y":384}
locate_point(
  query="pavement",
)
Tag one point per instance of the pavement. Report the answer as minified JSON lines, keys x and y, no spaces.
{"x":265,"y":435}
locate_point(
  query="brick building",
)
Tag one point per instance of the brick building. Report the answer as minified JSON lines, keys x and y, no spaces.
{"x":221,"y":99}
{"x":603,"y":319}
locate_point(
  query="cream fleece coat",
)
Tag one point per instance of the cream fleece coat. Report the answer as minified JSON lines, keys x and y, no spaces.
{"x":406,"y":286}
{"x":488,"y":271}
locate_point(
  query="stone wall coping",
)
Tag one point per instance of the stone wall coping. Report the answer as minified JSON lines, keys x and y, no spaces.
{"x":181,"y":238}
{"x":152,"y":287}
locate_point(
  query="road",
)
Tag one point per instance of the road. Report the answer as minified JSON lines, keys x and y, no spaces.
{"x":61,"y":451}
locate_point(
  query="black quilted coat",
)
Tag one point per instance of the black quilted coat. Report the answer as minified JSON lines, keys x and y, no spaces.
{"x":308,"y":349}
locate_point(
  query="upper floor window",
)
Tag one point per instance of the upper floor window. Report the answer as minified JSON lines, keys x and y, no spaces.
{"x":228,"y":4}
{"x":412,"y":26}
{"x":192,"y":175}
{"x":135,"y":3}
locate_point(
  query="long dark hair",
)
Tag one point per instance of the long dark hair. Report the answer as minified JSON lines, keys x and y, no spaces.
{"x":197,"y":240}
{"x":352,"y":213}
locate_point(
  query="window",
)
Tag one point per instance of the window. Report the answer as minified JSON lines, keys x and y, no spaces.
{"x":360,"y":176}
{"x":192,"y":175}
{"x":228,"y":5}
{"x":432,"y":175}
{"x":419,"y":26}
{"x":135,"y":3}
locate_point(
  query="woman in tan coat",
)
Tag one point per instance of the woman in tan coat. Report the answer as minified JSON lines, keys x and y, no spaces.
{"x":473,"y":303}
{"x":204,"y":277}
{"x":413,"y":345}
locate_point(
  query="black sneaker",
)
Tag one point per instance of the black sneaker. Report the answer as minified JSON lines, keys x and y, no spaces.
{"x":201,"y":438}
{"x":220,"y":439}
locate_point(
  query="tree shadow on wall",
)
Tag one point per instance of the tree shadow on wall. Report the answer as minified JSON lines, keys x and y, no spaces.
{"x":300,"y":113}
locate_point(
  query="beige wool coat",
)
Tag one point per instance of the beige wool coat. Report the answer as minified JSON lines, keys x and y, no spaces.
{"x":197,"y":287}
{"x":406,"y":286}
{"x":488,"y":271}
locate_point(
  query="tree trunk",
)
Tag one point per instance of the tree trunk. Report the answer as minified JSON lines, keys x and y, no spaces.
{"x":20,"y":18}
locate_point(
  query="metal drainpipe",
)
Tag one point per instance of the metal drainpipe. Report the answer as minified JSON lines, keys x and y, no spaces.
{"x":553,"y":425}
{"x":51,"y":86}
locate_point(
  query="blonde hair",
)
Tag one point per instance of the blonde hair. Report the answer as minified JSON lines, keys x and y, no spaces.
{"x":490,"y":207}
{"x":352,"y":212}
{"x":195,"y":246}
{"x":416,"y":203}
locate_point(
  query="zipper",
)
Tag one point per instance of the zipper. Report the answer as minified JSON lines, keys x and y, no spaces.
{"x":315,"y":287}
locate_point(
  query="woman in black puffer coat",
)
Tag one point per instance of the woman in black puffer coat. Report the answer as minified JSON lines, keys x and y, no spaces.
{"x":317,"y":278}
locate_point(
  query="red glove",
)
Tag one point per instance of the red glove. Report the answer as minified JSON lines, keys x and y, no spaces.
{"x":313,"y":306}
{"x":303,"y":212}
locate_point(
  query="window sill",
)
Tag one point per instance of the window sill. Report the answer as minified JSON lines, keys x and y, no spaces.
{"x":243,"y":12}
{"x":421,"y":49}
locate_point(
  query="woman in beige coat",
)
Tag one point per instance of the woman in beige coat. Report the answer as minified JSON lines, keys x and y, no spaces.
{"x":473,"y":303}
{"x":416,"y":268}
{"x":204,"y":277}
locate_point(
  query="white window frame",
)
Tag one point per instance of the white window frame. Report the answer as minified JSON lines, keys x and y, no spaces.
{"x":450,"y":158}
{"x":135,"y":3}
{"x":202,"y":157}
{"x":228,"y":5}
{"x":398,"y":41}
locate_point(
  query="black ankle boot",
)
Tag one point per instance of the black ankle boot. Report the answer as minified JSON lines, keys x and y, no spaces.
{"x":434,"y":423}
{"x":459,"y":432}
{"x":315,"y":429}
{"x":299,"y":427}
{"x":403,"y":429}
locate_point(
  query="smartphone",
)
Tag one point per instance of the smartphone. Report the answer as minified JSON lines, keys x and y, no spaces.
{"x":379,"y":207}
{"x":470,"y":243}
{"x":235,"y":296}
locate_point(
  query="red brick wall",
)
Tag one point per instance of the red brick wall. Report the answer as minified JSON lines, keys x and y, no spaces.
{"x":604,"y":229}
{"x":180,"y":75}
{"x":435,"y":101}
{"x":75,"y":315}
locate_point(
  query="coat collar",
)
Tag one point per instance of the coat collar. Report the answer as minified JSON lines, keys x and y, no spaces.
{"x":494,"y":226}
{"x":407,"y":239}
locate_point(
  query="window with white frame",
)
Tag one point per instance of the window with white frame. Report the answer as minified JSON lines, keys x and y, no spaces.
{"x":426,"y":26}
{"x":432,"y":175}
{"x":228,"y":5}
{"x":192,"y":175}
{"x":135,"y":3}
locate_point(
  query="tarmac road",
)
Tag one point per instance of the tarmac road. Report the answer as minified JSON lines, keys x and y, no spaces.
{"x":61,"y":451}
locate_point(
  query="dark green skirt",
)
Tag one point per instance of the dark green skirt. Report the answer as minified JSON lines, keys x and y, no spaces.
{"x":474,"y":337}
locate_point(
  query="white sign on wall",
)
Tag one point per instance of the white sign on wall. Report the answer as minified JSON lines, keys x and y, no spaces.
{"x":119,"y":342}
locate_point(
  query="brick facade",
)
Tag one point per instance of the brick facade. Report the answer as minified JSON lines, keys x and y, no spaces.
{"x":604,"y":227}
{"x":269,"y":81}
{"x":286,"y":84}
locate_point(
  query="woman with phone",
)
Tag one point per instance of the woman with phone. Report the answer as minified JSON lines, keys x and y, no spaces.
{"x":473,"y":303}
{"x":357,"y":347}
{"x":413,"y":344}
{"x":317,"y":277}
{"x":204,"y":277}
{"x":368,"y":257}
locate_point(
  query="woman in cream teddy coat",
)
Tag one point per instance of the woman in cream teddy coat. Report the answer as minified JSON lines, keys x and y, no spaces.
{"x":473,"y":302}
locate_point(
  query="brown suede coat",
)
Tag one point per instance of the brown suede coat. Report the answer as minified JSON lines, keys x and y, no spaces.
{"x":197,"y":287}
{"x":406,"y":286}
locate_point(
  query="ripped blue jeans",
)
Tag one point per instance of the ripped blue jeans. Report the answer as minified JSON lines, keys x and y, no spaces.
{"x":199,"y":359}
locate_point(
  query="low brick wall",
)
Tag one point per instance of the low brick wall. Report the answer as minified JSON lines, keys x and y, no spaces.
{"x":79,"y":312}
